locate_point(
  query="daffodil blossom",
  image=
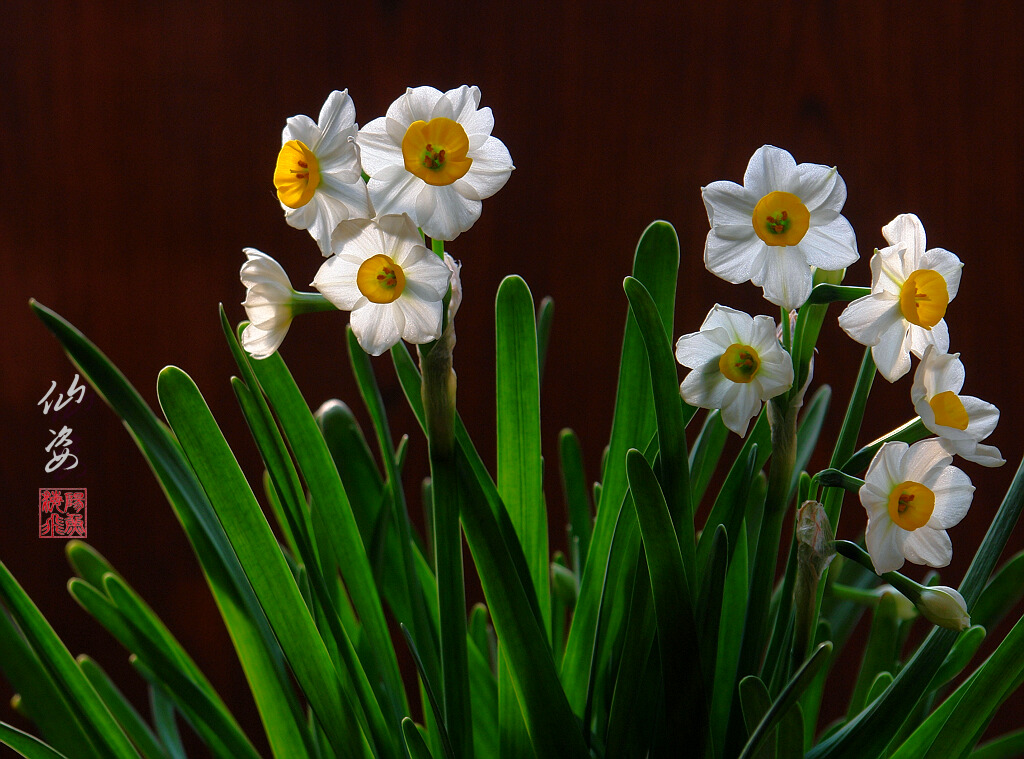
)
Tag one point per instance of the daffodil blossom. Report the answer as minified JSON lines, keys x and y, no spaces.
{"x":268,"y":303}
{"x":783,"y":220}
{"x":960,"y":421}
{"x":912,"y":496}
{"x":910,"y":290}
{"x":392,"y":284}
{"x":433,"y":157}
{"x":318,"y":175}
{"x":737,"y":364}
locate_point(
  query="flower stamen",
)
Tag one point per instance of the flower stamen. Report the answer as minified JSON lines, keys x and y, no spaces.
{"x":924,"y":298}
{"x":739,"y":363}
{"x":911,"y":505}
{"x":781,"y":218}
{"x":380,"y":279}
{"x":297,"y":174}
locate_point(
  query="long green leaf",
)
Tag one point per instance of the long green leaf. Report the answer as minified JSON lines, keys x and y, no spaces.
{"x":27,"y":745}
{"x":574,"y":485}
{"x":126,"y":715}
{"x":1001,"y":594}
{"x":685,"y":691}
{"x":656,"y":266}
{"x":258,"y":552}
{"x":258,"y":650}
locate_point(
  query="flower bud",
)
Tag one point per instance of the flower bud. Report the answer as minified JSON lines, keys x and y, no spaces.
{"x":945,"y":607}
{"x":905,"y":608}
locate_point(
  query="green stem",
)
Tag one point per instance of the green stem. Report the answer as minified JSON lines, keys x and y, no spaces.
{"x":310,"y":303}
{"x":438,"y":393}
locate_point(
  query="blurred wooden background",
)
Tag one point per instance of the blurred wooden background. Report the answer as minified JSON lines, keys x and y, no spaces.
{"x":137,"y":143}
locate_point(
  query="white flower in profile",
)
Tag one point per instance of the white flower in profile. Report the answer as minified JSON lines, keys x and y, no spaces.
{"x":737,"y":364}
{"x":960,"y":421}
{"x":912,"y":496}
{"x":268,"y":303}
{"x":318,"y":176}
{"x":392,"y":284}
{"x":783,"y":220}
{"x":910,"y":290}
{"x":433,"y":157}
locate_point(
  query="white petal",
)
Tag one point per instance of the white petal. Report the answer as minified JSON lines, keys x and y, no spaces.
{"x":353,"y":195}
{"x":699,"y":348}
{"x":357,"y":239}
{"x":867,"y":319}
{"x":946,"y":264}
{"x":422,"y":318}
{"x":705,"y":386}
{"x":930,"y":547}
{"x":453,"y":214}
{"x":417,"y":104}
{"x":982,"y":417}
{"x":921,"y":338}
{"x":300,"y":128}
{"x":953,"y":495}
{"x":986,"y":455}
{"x":886,"y":468}
{"x":884,"y":541}
{"x":260,"y":343}
{"x":734,"y":260}
{"x":377,"y":326}
{"x":786,"y":278}
{"x":491,"y":168}
{"x":775,"y":375}
{"x":887,"y":272}
{"x":427,"y":275}
{"x":396,"y":195}
{"x":924,"y":461}
{"x":892,"y":352}
{"x":908,"y":230}
{"x":821,"y":189}
{"x":728,"y":203}
{"x":377,"y":148}
{"x":770,"y":169}
{"x":738,"y":325}
{"x":832,"y":246}
{"x":740,"y":405}
{"x":336,"y":281}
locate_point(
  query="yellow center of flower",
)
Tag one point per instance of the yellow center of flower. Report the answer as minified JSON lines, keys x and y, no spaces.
{"x":297,"y":174}
{"x":911,"y":505}
{"x":923,"y":298}
{"x":435,"y":151}
{"x":781,"y":218}
{"x":380,"y":279}
{"x":739,"y":363}
{"x":949,"y":410}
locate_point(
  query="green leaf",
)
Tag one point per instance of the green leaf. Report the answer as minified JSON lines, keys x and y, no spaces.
{"x":674,"y":472}
{"x":655,"y":265}
{"x":734,"y":608}
{"x":709,"y":600}
{"x":520,"y":468}
{"x":879,"y":654}
{"x":434,"y":705}
{"x":1001,"y":594}
{"x":41,"y":699}
{"x":333,"y":517}
{"x":787,"y":697}
{"x":545,"y":315}
{"x":574,"y":485}
{"x":258,"y":650}
{"x":27,"y":745}
{"x":826,"y":293}
{"x":963,"y":651}
{"x":101,"y":728}
{"x":414,"y":741}
{"x":126,"y":715}
{"x":707,"y":450}
{"x":258,"y":552}
{"x":810,"y":429}
{"x":1007,"y":746}
{"x":882,"y":681}
{"x":166,"y":726}
{"x":685,"y":690}
{"x":755,"y":702}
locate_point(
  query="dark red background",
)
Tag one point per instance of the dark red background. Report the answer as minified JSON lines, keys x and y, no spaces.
{"x":138,"y":142}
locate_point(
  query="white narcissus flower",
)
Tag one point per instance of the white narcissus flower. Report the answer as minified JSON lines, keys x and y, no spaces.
{"x":944,"y":606}
{"x":737,"y":363}
{"x":268,"y":303}
{"x":433,"y":157}
{"x":783,"y":220}
{"x":392,"y":284}
{"x":960,"y":421}
{"x":910,"y":290}
{"x":912,"y":496}
{"x":318,"y":176}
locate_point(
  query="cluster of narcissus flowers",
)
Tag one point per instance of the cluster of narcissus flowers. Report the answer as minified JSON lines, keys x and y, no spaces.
{"x":774,"y":230}
{"x":430,"y":162}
